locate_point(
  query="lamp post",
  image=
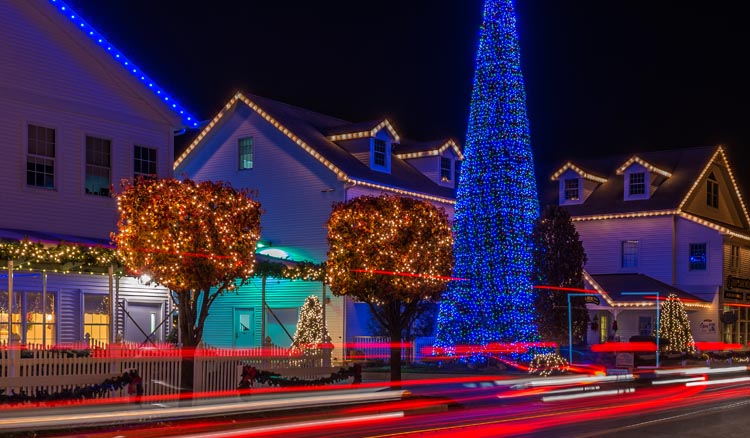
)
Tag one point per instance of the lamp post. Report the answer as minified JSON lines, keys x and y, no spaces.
{"x":658,"y":334}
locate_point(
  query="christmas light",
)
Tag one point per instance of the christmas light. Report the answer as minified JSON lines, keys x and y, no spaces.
{"x":64,"y":9}
{"x":650,"y":167}
{"x":434,"y":152}
{"x":311,"y":331}
{"x":496,"y":202}
{"x":674,"y":326}
{"x":371,"y":133}
{"x":579,"y":171}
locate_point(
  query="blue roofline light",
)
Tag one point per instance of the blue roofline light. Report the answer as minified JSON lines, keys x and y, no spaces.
{"x":118,"y":56}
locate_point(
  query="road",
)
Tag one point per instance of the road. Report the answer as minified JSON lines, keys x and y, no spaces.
{"x":695,"y":403}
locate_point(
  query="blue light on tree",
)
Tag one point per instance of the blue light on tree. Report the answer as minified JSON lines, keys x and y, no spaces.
{"x":496,"y":201}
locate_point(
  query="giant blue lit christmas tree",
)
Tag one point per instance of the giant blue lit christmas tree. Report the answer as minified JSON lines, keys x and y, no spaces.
{"x":496,"y":201}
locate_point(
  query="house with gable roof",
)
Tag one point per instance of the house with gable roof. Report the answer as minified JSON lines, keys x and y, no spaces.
{"x":77,"y":117}
{"x":301,"y":162}
{"x":657,"y":223}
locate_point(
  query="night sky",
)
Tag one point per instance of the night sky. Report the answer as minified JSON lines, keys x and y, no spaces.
{"x":602,"y":76}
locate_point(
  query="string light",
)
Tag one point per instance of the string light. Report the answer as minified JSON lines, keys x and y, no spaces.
{"x":674,"y":326}
{"x":311,"y":330}
{"x":649,"y":166}
{"x":579,"y":171}
{"x":496,"y":202}
{"x":371,"y":133}
{"x":80,"y":23}
{"x":434,"y":152}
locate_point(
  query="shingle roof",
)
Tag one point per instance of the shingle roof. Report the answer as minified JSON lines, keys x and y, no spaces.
{"x":312,"y":128}
{"x":685,"y":165}
{"x":615,"y":284}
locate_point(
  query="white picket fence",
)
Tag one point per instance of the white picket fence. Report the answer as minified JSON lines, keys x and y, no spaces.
{"x":37,"y":369}
{"x":369,"y":348}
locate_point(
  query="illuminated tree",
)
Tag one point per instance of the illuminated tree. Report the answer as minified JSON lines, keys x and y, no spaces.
{"x":197,"y":239}
{"x":674,"y":326}
{"x":559,"y":258}
{"x":496,"y":202}
{"x":391,"y":253}
{"x":311,"y":330}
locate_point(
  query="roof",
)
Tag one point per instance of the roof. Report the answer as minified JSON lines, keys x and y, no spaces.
{"x":106,"y":47}
{"x":616,"y":287}
{"x":684,"y":165}
{"x":310,"y":130}
{"x":51,"y":238}
{"x":415,"y":149}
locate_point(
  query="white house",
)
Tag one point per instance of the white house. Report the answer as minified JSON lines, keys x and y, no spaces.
{"x":660,"y":222}
{"x":301,"y":162}
{"x":76,"y":117}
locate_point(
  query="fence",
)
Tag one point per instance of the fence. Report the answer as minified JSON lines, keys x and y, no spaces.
{"x":379,"y":347}
{"x":35,"y":369}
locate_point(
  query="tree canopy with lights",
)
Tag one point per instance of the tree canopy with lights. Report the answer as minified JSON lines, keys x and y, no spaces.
{"x":559,"y":258}
{"x":390,"y":252}
{"x":496,"y":201}
{"x":196,"y":238}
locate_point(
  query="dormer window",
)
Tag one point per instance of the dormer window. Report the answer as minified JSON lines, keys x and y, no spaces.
{"x":571,"y":189}
{"x":379,"y":152}
{"x":712,"y":191}
{"x":637,"y":185}
{"x":445,"y":169}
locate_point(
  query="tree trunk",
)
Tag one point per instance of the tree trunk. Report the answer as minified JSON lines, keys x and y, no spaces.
{"x":395,"y":333}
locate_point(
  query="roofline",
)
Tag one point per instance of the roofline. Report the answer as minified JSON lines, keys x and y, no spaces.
{"x":637,"y":304}
{"x":343,"y":176}
{"x":371,"y":133}
{"x":578,"y":170}
{"x":161,"y":94}
{"x":434,"y":152}
{"x":644,"y":163}
{"x":678,"y":212}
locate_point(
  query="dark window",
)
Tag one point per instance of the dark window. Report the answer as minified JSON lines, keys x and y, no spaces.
{"x":571,"y":189}
{"x":40,"y":160}
{"x":245,"y":146}
{"x":712,"y":191}
{"x":445,"y":169}
{"x":144,"y":162}
{"x":629,"y":253}
{"x":735,"y":258}
{"x":379,"y":152}
{"x":637,"y":183}
{"x":98,"y":166}
{"x":697,"y":256}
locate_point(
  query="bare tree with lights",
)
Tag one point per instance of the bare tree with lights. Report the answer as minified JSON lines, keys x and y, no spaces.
{"x":311,"y":337}
{"x":197,"y":239}
{"x":392,"y":253}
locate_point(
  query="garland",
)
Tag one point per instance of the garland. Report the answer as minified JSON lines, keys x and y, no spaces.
{"x":67,"y":256}
{"x":71,"y":394}
{"x":250,"y":375}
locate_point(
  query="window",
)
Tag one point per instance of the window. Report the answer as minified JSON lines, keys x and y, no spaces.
{"x":144,"y":162}
{"x":734,"y":260}
{"x":712,"y":191}
{"x":629,"y":253}
{"x":571,"y":189}
{"x":637,"y":184}
{"x":98,"y":166}
{"x":379,"y":150}
{"x":281,"y":325}
{"x":245,"y":146}
{"x":445,"y":169}
{"x":96,"y":318}
{"x":40,"y":322}
{"x":697,"y":256}
{"x":40,"y":160}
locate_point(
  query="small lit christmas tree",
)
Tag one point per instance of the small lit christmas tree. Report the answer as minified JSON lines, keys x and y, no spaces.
{"x":311,"y":330}
{"x":675,"y":326}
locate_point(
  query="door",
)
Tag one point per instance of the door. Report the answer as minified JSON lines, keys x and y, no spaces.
{"x":142,"y":321}
{"x":243,"y":327}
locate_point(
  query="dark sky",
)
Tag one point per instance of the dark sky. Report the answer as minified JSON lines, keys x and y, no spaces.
{"x":601,"y":76}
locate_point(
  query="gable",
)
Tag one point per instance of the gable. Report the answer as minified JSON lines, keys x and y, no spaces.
{"x":56,"y":65}
{"x":728,"y":209}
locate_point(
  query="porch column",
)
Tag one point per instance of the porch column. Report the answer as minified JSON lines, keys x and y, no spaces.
{"x":44,"y":308}
{"x":110,"y":308}
{"x":263,"y":311}
{"x":10,"y":304}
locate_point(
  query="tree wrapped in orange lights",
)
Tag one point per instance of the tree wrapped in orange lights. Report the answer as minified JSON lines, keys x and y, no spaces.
{"x":391,"y":253}
{"x":197,"y":239}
